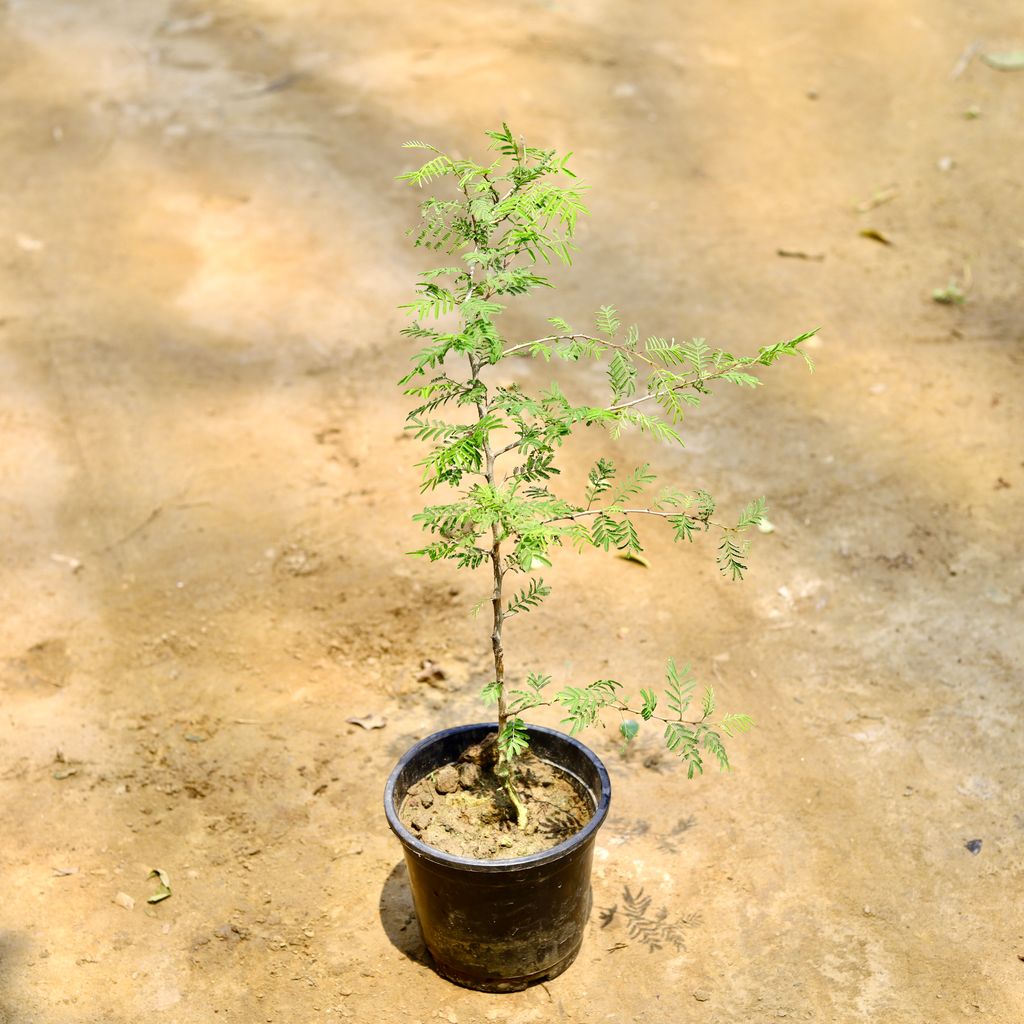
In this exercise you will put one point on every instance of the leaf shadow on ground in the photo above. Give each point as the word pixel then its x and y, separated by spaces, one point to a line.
pixel 654 928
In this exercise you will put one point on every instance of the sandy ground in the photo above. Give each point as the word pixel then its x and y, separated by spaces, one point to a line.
pixel 205 500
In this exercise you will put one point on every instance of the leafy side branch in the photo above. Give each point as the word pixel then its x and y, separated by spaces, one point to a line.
pixel 496 445
pixel 690 738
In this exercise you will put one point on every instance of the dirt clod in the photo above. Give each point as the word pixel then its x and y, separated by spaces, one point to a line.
pixel 447 780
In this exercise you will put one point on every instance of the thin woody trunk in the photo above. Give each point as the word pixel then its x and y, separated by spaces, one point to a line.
pixel 499 616
pixel 504 766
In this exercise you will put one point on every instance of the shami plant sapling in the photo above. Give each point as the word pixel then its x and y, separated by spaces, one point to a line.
pixel 505 219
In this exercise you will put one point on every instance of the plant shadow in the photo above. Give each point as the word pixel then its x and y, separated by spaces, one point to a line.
pixel 398 916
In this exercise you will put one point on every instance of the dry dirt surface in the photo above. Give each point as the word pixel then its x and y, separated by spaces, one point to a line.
pixel 205 499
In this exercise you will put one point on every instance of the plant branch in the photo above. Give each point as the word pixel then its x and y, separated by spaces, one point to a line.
pixel 696 382
pixel 626 710
pixel 522 346
pixel 634 511
pixel 508 448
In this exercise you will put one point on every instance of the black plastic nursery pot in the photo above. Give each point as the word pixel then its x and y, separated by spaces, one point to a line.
pixel 501 925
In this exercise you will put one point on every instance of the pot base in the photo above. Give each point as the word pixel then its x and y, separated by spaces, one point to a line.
pixel 479 984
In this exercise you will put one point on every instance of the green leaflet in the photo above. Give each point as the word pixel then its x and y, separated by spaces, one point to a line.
pixel 528 599
pixel 621 376
pixel 529 697
pixel 491 692
pixel 708 703
pixel 733 724
pixel 583 705
pixel 679 688
pixel 668 353
pixel 696 353
pixel 669 390
pixel 640 478
pixel 753 514
pixel 599 479
pixel 607 321
pixel 713 745
pixel 434 168
pixel 682 741
pixel 650 704
pixel 684 527
pixel 513 739
pixel 770 353
pixel 731 557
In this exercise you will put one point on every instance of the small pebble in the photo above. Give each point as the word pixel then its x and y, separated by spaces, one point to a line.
pixel 973 845
pixel 701 996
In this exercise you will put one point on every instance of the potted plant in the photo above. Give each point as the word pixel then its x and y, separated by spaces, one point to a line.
pixel 498 820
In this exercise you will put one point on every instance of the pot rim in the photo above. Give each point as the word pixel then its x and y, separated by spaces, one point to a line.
pixel 567 846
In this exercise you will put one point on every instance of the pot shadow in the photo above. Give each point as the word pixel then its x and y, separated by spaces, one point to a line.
pixel 398 916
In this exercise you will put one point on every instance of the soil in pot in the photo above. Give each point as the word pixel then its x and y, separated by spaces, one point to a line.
pixel 464 810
